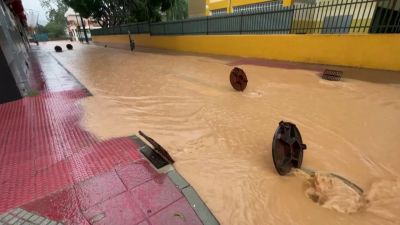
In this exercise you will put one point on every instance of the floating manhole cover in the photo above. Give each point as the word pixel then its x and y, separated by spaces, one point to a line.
pixel 333 75
pixel 287 148
pixel 238 79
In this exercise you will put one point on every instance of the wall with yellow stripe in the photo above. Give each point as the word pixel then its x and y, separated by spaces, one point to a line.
pixel 377 51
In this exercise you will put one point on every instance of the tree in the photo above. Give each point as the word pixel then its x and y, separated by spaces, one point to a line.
pixel 178 10
pixel 55 10
pixel 40 28
pixel 116 12
pixel 54 30
pixel 55 14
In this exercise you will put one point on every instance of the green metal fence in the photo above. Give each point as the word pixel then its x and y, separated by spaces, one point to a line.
pixel 305 16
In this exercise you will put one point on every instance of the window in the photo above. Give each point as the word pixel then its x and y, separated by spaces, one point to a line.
pixel 257 6
pixel 218 12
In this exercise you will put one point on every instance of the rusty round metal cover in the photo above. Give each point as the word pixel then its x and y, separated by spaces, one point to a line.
pixel 238 79
pixel 287 148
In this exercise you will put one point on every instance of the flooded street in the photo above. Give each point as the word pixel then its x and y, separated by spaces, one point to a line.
pixel 221 139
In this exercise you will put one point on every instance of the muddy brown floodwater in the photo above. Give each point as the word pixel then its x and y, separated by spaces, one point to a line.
pixel 221 139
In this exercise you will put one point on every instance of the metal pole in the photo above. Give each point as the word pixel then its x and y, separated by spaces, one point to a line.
pixel 37 29
pixel 390 17
pixel 84 31
pixel 78 27
pixel 207 25
pixel 182 25
pixel 241 22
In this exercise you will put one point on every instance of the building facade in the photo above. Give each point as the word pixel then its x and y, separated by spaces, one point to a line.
pixel 74 25
pixel 217 7
pixel 198 8
pixel 14 48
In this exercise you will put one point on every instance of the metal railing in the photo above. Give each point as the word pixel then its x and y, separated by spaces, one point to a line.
pixel 323 16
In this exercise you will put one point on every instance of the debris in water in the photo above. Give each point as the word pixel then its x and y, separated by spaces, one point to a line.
pixel 287 148
pixel 335 192
pixel 180 216
pixel 332 75
pixel 238 79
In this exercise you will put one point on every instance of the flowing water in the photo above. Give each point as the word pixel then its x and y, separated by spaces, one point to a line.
pixel 221 139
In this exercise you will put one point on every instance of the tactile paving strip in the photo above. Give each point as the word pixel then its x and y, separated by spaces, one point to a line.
pixel 43 148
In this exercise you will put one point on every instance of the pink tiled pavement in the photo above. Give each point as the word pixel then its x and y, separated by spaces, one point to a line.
pixel 50 165
pixel 150 202
pixel 120 210
pixel 178 213
pixel 136 173
pixel 99 189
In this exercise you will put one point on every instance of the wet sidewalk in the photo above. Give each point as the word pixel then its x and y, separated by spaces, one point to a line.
pixel 54 172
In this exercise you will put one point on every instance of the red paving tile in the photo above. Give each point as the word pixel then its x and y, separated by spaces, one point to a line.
pixel 156 194
pixel 178 213
pixel 120 210
pixel 136 173
pixel 51 150
pixel 98 189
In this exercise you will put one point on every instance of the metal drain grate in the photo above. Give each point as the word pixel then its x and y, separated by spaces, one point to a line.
pixel 157 155
pixel 155 159
pixel 332 75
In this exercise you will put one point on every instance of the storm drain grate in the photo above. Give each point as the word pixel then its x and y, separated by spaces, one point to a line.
pixel 332 75
pixel 153 157
pixel 157 155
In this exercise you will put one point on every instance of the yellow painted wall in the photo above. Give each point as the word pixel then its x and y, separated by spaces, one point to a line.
pixel 377 51
pixel 218 5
